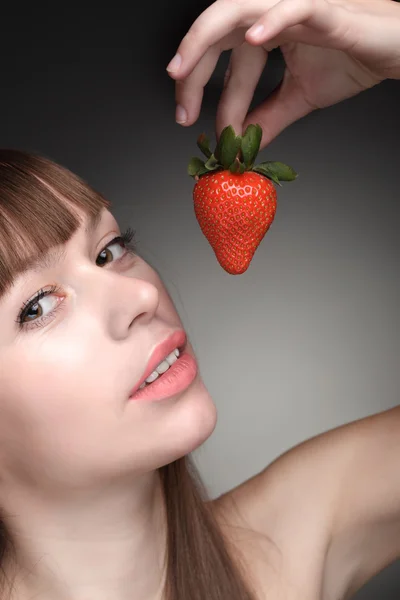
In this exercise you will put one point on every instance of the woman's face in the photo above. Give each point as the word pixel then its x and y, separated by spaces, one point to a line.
pixel 67 370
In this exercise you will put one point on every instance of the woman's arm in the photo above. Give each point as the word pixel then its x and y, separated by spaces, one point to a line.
pixel 331 505
pixel 365 533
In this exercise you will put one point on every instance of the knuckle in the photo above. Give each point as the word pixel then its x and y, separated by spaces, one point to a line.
pixel 192 35
pixel 312 6
pixel 197 32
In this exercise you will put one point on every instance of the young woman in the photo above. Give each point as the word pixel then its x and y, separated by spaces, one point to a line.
pixel 98 497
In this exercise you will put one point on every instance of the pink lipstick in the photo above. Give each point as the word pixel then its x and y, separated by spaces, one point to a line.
pixel 173 381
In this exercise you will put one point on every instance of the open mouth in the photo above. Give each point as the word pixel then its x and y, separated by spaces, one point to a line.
pixel 155 376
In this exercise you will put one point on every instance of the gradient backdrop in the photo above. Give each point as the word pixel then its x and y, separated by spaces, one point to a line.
pixel 308 338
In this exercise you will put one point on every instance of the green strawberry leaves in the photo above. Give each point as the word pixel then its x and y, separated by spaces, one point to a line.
pixel 204 145
pixel 251 144
pixel 237 154
pixel 232 148
pixel 212 163
pixel 276 171
pixel 228 147
pixel 196 167
pixel 237 166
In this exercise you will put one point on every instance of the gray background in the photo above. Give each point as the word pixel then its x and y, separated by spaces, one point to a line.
pixel 308 338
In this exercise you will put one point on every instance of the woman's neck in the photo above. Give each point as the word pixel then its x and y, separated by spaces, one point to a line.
pixel 110 546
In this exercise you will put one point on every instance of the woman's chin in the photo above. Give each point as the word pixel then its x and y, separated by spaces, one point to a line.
pixel 167 430
pixel 190 423
pixel 197 418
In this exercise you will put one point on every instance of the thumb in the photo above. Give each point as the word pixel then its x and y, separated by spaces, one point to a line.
pixel 285 105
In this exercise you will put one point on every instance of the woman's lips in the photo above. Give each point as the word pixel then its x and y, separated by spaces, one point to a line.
pixel 176 339
pixel 174 381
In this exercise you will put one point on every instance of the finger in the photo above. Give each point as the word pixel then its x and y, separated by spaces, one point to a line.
pixel 219 20
pixel 283 107
pixel 298 33
pixel 189 93
pixel 246 66
pixel 329 20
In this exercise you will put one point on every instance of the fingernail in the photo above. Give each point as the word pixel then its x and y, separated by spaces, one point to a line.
pixel 180 115
pixel 175 63
pixel 256 32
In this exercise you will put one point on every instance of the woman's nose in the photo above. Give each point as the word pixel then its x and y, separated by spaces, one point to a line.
pixel 124 301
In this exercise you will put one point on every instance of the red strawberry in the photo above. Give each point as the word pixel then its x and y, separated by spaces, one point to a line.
pixel 235 201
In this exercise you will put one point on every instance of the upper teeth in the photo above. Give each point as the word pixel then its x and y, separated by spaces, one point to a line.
pixel 162 367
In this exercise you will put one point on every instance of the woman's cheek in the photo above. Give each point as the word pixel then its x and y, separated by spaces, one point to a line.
pixel 59 366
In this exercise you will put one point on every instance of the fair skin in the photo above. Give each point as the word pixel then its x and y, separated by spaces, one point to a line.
pixel 330 507
pixel 333 49
pixel 77 458
pixel 78 483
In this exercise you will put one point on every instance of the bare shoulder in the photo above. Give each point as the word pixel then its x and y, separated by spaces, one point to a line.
pixel 280 521
pixel 307 514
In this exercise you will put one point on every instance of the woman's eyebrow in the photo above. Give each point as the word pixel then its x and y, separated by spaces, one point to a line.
pixel 93 222
pixel 54 256
pixel 51 258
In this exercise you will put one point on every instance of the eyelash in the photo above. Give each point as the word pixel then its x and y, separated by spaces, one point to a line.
pixel 127 238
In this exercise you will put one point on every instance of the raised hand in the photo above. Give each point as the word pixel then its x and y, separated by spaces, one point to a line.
pixel 333 49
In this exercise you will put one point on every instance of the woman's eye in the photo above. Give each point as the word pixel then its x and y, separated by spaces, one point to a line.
pixel 45 303
pixel 113 251
pixel 40 308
